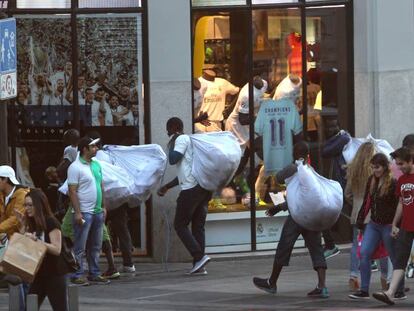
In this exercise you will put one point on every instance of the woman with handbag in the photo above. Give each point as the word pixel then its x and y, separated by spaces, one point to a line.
pixel 381 202
pixel 357 174
pixel 41 225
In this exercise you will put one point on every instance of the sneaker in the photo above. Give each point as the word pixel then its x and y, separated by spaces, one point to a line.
pixel 128 269
pixel 374 266
pixel 319 293
pixel 400 296
pixel 264 284
pixel 98 280
pixel 410 271
pixel 79 282
pixel 200 264
pixel 381 296
pixel 359 295
pixel 111 274
pixel 328 253
pixel 199 272
pixel 353 284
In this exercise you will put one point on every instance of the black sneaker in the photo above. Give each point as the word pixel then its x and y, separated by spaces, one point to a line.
pixel 319 293
pixel 359 295
pixel 264 285
pixel 400 296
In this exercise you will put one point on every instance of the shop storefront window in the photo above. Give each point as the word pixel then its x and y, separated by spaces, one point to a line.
pixel 202 3
pixel 318 109
pixel 220 73
pixel 43 4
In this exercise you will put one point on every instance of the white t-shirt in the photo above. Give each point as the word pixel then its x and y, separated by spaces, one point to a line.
pixel 214 100
pixel 95 114
pixel 183 145
pixel 81 174
pixel 70 153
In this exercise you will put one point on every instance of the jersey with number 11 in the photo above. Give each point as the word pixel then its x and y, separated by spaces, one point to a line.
pixel 277 121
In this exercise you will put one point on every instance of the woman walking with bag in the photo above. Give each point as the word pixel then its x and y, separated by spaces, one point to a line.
pixel 381 202
pixel 357 176
pixel 41 225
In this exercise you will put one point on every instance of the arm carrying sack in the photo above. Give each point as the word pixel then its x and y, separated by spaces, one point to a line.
pixel 216 157
pixel 314 201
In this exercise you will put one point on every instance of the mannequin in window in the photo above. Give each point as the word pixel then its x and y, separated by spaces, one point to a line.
pixel 278 122
pixel 198 91
pixel 294 53
pixel 214 100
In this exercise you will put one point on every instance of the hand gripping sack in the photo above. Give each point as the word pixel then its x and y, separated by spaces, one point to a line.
pixel 314 201
pixel 216 157
pixel 145 164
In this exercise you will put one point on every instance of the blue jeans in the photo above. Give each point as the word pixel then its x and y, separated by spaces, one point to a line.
pixel 88 235
pixel 354 265
pixel 373 234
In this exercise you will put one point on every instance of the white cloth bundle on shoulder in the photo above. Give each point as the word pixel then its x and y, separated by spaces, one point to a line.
pixel 130 173
pixel 314 201
pixel 216 157
pixel 350 149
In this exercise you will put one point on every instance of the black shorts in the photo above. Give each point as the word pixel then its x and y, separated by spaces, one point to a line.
pixel 290 233
pixel 403 249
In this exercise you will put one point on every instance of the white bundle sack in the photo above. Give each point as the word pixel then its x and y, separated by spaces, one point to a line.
pixel 314 201
pixel 381 145
pixel 145 164
pixel 216 157
pixel 117 183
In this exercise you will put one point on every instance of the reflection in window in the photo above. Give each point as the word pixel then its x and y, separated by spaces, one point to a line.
pixel 109 3
pixel 272 1
pixel 109 84
pixel 42 4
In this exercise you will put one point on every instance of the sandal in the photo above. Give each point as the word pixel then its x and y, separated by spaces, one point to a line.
pixel 381 296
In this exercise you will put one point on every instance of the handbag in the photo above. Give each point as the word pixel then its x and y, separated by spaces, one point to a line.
pixel 380 251
pixel 68 256
pixel 244 118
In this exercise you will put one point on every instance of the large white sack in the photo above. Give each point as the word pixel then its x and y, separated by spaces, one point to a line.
pixel 117 183
pixel 145 164
pixel 216 157
pixel 381 145
pixel 314 201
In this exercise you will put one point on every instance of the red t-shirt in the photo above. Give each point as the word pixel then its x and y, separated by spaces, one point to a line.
pixel 405 191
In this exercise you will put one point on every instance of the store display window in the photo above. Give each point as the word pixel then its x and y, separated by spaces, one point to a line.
pixel 95 83
pixel 304 69
pixel 206 3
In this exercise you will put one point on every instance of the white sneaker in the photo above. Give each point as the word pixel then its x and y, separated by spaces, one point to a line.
pixel 126 269
pixel 200 264
pixel 201 271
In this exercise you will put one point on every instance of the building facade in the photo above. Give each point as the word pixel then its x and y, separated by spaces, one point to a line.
pixel 353 57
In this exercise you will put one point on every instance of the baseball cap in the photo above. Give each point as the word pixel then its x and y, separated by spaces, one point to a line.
pixel 7 171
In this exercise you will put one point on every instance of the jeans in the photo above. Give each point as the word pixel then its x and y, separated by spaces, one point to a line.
pixel 192 207
pixel 354 265
pixel 119 224
pixel 373 234
pixel 88 235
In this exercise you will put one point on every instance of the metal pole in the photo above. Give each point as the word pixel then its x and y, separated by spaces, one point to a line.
pixel 4 143
pixel 73 298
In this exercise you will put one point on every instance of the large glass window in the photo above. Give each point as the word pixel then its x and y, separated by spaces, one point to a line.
pixel 217 2
pixel 283 55
pixel 108 80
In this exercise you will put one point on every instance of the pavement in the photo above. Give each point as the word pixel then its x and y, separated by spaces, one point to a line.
pixel 228 286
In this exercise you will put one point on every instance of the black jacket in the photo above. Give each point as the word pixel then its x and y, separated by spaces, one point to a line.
pixel 382 207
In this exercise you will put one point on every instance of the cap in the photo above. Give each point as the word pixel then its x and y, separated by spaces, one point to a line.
pixel 7 171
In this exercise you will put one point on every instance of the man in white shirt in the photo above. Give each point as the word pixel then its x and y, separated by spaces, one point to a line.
pixel 192 201
pixel 101 112
pixel 59 97
pixel 87 200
